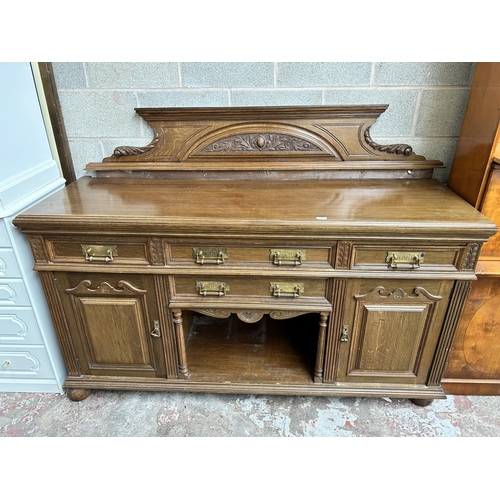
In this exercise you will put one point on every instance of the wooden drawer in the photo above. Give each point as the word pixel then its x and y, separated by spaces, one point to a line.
pixel 13 292
pixel 9 268
pixel 25 362
pixel 95 251
pixel 231 286
pixel 268 256
pixel 19 326
pixel 404 258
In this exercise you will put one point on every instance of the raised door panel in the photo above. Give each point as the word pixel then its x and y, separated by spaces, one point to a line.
pixel 391 331
pixel 114 324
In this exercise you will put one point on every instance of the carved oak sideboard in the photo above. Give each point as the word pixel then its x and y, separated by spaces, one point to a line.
pixel 258 250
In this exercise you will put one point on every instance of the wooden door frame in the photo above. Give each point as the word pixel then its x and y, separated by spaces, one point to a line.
pixel 56 120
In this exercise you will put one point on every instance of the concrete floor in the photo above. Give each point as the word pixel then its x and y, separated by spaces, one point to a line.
pixel 145 414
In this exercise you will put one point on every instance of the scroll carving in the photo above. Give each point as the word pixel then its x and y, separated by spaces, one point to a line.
pixel 400 294
pixel 214 313
pixel 249 316
pixel 105 289
pixel 260 142
pixel 132 150
pixel 286 314
pixel 471 257
pixel 404 149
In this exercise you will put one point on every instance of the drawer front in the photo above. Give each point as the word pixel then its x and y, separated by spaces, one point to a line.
pixel 13 293
pixel 24 362
pixel 267 256
pixel 97 251
pixel 230 286
pixel 4 237
pixel 404 258
pixel 19 326
pixel 9 267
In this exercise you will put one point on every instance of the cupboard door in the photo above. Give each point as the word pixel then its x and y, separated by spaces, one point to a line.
pixel 391 329
pixel 114 324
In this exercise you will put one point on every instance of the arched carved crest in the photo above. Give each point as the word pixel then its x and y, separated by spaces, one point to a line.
pixel 265 139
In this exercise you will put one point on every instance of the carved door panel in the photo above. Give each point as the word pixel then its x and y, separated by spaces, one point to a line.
pixel 391 329
pixel 114 323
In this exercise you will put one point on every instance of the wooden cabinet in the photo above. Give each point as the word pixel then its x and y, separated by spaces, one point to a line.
pixel 258 250
pixel 474 363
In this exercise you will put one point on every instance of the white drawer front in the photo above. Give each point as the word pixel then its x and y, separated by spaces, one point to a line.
pixel 9 267
pixel 24 362
pixel 4 237
pixel 19 326
pixel 13 293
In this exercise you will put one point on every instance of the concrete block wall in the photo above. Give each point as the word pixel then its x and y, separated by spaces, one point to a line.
pixel 427 101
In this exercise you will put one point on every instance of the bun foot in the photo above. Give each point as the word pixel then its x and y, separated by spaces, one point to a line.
pixel 78 394
pixel 422 402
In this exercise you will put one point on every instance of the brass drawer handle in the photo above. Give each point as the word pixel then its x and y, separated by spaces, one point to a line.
pixel 212 288
pixel 99 253
pixel 210 255
pixel 287 257
pixel 291 290
pixel 6 364
pixel 405 260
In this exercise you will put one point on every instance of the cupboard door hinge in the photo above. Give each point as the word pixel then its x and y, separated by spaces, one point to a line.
pixel 345 334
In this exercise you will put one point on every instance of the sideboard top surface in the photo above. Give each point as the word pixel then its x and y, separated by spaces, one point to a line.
pixel 313 206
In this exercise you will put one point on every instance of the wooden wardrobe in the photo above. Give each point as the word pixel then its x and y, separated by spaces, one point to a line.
pixel 474 363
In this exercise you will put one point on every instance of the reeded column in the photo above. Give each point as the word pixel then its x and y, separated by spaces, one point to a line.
pixel 320 356
pixel 181 345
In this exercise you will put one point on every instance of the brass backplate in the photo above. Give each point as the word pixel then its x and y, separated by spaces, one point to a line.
pixel 99 251
pixel 287 254
pixel 210 253
pixel 212 286
pixel 286 287
pixel 414 258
